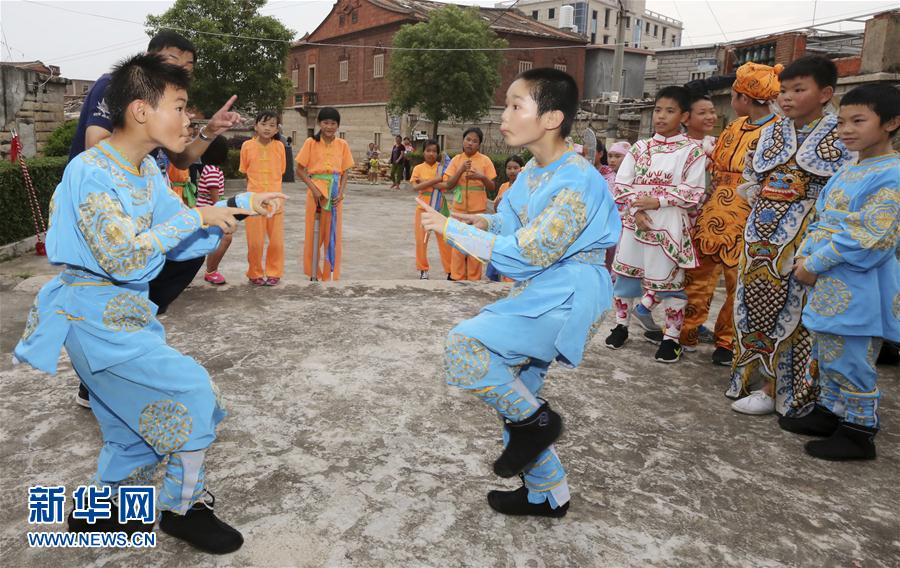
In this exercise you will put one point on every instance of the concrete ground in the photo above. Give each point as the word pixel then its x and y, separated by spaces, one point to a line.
pixel 344 447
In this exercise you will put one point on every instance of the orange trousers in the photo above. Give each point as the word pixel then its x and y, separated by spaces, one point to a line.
pixel 258 228
pixel 464 267
pixel 422 249
pixel 324 269
pixel 699 285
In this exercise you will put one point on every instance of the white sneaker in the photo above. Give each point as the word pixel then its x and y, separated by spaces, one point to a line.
pixel 757 403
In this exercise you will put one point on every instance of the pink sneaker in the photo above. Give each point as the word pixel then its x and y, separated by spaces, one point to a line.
pixel 272 281
pixel 258 281
pixel 214 278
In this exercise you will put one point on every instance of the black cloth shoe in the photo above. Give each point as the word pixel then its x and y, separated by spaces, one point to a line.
pixel 849 442
pixel 617 337
pixel 889 354
pixel 655 337
pixel 111 524
pixel 669 351
pixel 818 422
pixel 200 528
pixel 527 439
pixel 722 356
pixel 83 398
pixel 516 503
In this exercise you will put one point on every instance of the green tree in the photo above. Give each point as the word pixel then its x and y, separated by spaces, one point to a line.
pixel 446 84
pixel 253 69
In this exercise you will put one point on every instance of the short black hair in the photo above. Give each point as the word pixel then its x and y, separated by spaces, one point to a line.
pixel 822 70
pixel 884 100
pixel 553 89
pixel 168 38
pixel 290 140
pixel 266 115
pixel 515 158
pixel 216 153
pixel 431 142
pixel 697 96
pixel 142 77
pixel 477 131
pixel 678 94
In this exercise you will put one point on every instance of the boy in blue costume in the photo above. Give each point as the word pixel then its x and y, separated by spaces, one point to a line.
pixel 113 224
pixel 849 258
pixel 550 235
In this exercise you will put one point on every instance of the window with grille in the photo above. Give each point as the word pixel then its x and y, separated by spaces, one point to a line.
pixel 656 30
pixel 353 17
pixel 552 13
pixel 377 140
pixel 524 66
pixel 344 70
pixel 535 14
pixel 605 39
pixel 378 65
pixel 559 66
pixel 295 77
pixel 606 18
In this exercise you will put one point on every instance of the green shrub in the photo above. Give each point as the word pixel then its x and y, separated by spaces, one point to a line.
pixel 17 222
pixel 61 139
pixel 232 167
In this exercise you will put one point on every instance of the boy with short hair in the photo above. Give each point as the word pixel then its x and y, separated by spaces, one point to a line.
pixel 848 257
pixel 658 186
pixel 263 162
pixel 549 234
pixel 113 223
pixel 792 161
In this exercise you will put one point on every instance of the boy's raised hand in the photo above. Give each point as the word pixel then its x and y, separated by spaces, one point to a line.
pixel 476 221
pixel 432 219
pixel 268 203
pixel 222 217
pixel 223 119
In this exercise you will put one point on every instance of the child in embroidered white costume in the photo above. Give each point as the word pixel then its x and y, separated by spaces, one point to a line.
pixel 549 235
pixel 849 258
pixel 659 185
pixel 792 161
pixel 113 223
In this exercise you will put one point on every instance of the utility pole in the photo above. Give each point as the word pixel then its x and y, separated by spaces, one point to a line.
pixel 612 125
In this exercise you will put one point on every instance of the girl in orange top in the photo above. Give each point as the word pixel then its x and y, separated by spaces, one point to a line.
pixel 467 180
pixel 322 165
pixel 425 179
pixel 263 160
pixel 514 165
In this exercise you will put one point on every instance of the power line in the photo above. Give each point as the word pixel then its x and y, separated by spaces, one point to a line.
pixel 711 11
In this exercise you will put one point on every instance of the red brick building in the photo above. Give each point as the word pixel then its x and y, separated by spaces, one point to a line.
pixel 354 79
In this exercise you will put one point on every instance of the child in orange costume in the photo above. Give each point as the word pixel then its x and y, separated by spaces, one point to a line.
pixel 322 165
pixel 470 176
pixel 262 160
pixel 425 178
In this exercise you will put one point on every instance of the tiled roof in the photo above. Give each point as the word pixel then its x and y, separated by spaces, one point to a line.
pixel 508 21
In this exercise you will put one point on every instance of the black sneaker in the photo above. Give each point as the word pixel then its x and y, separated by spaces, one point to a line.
pixel 201 528
pixel 669 351
pixel 617 337
pixel 655 337
pixel 849 442
pixel 722 356
pixel 818 422
pixel 516 503
pixel 83 398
